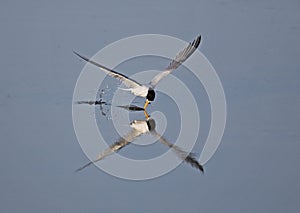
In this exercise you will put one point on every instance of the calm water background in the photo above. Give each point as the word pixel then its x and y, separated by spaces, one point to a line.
pixel 254 47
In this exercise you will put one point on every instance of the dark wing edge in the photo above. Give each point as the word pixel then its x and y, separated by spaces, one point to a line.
pixel 113 148
pixel 177 61
pixel 184 54
pixel 126 80
pixel 122 142
pixel 187 157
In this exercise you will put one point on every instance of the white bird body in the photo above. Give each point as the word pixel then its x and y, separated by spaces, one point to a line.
pixel 140 126
pixel 141 91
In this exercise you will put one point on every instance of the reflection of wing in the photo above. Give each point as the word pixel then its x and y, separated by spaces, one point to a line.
pixel 177 61
pixel 124 79
pixel 100 102
pixel 189 158
pixel 131 136
pixel 132 107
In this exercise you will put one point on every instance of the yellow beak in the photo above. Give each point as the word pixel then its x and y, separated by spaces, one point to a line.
pixel 146 104
pixel 146 115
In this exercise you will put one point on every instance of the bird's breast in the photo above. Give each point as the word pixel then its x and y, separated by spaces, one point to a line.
pixel 141 91
pixel 140 126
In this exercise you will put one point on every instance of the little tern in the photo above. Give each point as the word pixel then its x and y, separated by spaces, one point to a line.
pixel 147 91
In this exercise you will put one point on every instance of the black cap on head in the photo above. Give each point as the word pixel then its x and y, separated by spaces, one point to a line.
pixel 151 94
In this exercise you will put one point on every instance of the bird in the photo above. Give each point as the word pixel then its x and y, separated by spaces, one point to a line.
pixel 138 128
pixel 147 90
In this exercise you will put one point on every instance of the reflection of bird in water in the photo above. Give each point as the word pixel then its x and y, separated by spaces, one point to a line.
pixel 140 127
pixel 147 91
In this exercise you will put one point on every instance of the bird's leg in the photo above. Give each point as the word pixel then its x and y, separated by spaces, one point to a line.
pixel 146 115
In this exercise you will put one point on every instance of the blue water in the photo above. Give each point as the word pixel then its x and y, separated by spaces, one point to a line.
pixel 254 47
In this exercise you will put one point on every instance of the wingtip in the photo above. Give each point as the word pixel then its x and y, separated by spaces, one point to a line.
pixel 81 56
pixel 201 168
pixel 78 170
pixel 76 53
pixel 197 41
pixel 83 167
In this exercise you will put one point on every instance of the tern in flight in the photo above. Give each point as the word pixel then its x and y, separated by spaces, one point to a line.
pixel 140 127
pixel 147 91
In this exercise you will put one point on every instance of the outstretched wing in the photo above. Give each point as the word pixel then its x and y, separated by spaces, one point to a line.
pixel 177 61
pixel 131 136
pixel 187 157
pixel 124 79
